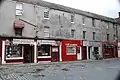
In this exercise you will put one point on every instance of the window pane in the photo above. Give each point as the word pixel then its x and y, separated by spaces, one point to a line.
pixel 19 12
pixel 46 32
pixel 84 34
pixel 72 33
pixel 46 14
pixel 13 51
pixel 19 6
pixel 44 50
pixel 72 17
pixel 71 50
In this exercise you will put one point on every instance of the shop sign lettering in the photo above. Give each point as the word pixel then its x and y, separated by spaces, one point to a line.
pixel 68 44
pixel 22 41
pixel 46 42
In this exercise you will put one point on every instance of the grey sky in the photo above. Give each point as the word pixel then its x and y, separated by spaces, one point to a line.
pixel 108 8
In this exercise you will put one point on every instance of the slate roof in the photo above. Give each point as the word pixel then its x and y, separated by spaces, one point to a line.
pixel 67 9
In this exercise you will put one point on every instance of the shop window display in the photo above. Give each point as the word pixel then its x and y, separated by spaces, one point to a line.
pixel 44 50
pixel 71 50
pixel 13 51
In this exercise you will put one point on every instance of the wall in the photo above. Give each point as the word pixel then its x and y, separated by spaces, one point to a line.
pixel 0 49
pixel 35 15
pixel 111 30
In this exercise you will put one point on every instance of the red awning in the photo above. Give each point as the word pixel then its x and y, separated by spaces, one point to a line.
pixel 19 25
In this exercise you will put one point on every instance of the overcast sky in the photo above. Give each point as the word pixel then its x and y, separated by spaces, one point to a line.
pixel 108 8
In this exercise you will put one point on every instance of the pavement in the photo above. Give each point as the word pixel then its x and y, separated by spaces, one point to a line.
pixel 76 70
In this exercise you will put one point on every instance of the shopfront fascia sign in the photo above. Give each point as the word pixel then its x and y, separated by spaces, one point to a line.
pixel 51 42
pixel 68 44
pixel 23 41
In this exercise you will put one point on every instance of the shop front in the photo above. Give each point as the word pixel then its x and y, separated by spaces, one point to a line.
pixel 71 50
pixel 47 51
pixel 118 49
pixel 18 51
pixel 89 47
pixel 110 49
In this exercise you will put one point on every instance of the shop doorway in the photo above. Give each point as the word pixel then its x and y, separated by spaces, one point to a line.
pixel 84 52
pixel 55 54
pixel 96 50
pixel 28 54
pixel 89 52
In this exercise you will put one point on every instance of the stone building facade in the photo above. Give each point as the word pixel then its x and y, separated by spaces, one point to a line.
pixel 37 26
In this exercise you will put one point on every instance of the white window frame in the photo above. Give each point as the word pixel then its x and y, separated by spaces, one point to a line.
pixel 73 33
pixel 46 32
pixel 94 34
pixel 19 9
pixel 46 14
pixel 72 18
pixel 84 34
pixel 70 53
pixel 93 22
pixel 15 57
pixel 83 20
pixel 107 27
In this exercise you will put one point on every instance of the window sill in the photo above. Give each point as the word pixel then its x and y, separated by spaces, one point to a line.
pixel 46 18
pixel 71 53
pixel 44 57
pixel 14 58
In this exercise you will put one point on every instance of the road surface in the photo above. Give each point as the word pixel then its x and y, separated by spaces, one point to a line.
pixel 88 70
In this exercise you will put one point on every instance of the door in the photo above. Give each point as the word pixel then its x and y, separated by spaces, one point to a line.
pixel 55 54
pixel 84 53
pixel 79 53
pixel 118 51
pixel 28 54
pixel 89 48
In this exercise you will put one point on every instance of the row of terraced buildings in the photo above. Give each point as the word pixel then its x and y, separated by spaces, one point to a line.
pixel 33 31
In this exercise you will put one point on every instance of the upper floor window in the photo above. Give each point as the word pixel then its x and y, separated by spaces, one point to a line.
pixel 46 31
pixel 93 22
pixel 72 32
pixel 107 25
pixel 46 14
pixel 19 9
pixel 18 32
pixel 107 37
pixel 83 20
pixel 93 35
pixel 84 34
pixel 72 18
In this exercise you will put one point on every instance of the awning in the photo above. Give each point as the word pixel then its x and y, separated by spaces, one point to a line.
pixel 19 25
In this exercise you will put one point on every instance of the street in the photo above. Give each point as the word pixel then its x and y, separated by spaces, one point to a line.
pixel 79 70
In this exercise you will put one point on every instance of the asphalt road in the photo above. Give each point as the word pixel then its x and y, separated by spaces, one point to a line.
pixel 89 70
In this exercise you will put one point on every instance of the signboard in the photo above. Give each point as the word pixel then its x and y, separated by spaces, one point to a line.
pixel 52 42
pixel 23 41
pixel 54 49
pixel 108 46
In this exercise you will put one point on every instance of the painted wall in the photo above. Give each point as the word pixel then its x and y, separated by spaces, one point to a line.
pixel 111 30
pixel 35 15
pixel 65 56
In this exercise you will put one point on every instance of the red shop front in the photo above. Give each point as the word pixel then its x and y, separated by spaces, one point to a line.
pixel 110 50
pixel 71 50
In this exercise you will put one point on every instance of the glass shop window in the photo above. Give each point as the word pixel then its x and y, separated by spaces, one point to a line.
pixel 13 51
pixel 71 50
pixel 44 50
